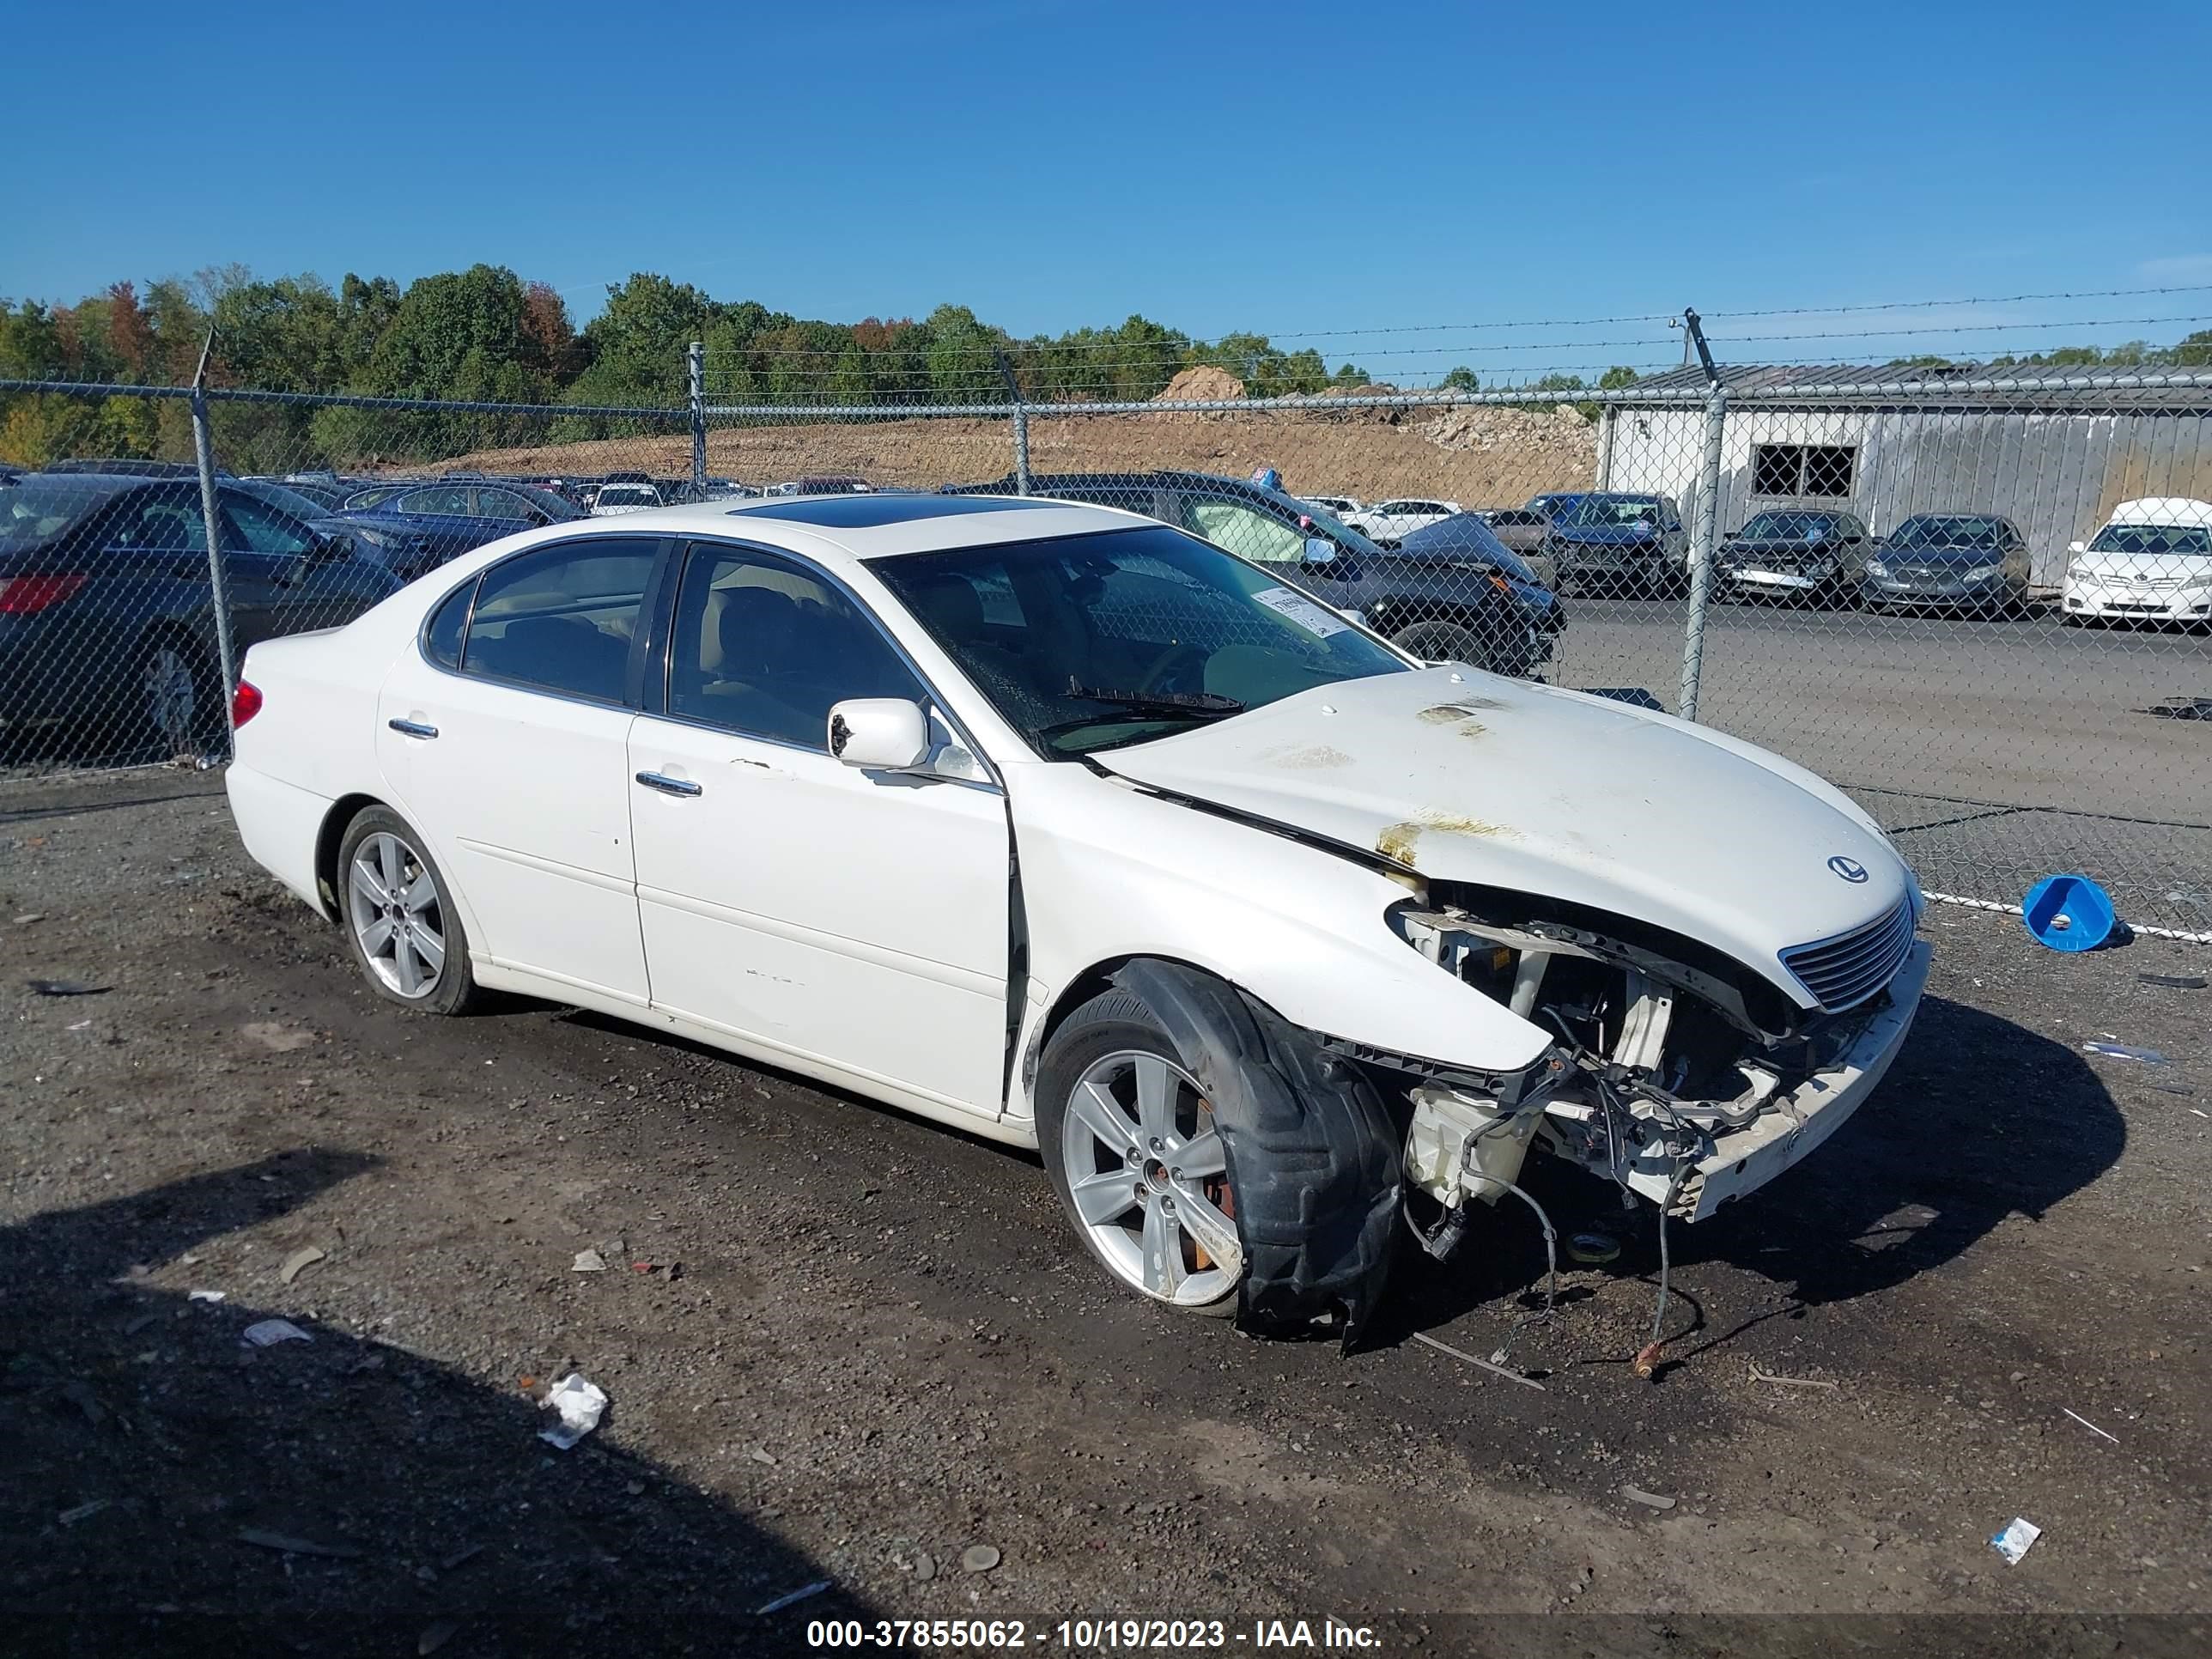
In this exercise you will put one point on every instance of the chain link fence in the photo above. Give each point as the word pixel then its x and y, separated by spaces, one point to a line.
pixel 1981 603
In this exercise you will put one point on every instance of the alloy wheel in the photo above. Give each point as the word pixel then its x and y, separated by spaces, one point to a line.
pixel 398 915
pixel 1149 1178
pixel 170 698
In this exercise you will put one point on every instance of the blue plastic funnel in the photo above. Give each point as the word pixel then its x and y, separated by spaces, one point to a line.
pixel 2067 912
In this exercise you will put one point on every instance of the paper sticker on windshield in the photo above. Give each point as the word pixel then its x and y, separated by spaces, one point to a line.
pixel 1297 607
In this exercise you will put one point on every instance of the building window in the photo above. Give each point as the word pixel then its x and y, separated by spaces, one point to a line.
pixel 1795 469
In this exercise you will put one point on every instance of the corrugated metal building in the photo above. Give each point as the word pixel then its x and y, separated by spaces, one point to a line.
pixel 2054 462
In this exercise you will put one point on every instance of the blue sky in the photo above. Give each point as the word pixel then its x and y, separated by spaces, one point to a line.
pixel 1288 167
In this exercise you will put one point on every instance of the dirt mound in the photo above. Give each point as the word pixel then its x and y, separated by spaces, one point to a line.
pixel 1201 382
pixel 1561 441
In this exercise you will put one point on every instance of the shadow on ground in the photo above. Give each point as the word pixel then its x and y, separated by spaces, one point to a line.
pixel 143 1441
pixel 1978 1120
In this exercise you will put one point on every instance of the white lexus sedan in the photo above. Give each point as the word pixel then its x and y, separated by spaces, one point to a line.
pixel 1062 825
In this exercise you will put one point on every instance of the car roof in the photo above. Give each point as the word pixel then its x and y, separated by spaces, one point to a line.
pixel 836 529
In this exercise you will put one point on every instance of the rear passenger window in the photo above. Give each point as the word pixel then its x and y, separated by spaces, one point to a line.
pixel 561 618
pixel 443 638
pixel 763 648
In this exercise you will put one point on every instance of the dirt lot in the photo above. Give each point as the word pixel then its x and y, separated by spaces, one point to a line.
pixel 866 1344
pixel 1481 457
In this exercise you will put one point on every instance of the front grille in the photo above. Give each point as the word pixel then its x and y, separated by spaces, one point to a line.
pixel 1845 971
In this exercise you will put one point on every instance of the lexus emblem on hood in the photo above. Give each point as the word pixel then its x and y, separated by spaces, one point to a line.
pixel 1850 869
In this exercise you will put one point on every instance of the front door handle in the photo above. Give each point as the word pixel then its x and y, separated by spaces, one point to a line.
pixel 668 786
pixel 412 728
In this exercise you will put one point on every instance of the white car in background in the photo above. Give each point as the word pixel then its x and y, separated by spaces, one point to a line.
pixel 618 498
pixel 1342 507
pixel 1393 520
pixel 1066 827
pixel 2152 561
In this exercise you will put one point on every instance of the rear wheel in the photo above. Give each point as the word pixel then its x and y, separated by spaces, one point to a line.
pixel 174 697
pixel 399 920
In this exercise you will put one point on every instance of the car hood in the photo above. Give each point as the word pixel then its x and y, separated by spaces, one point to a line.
pixel 2144 566
pixel 1792 547
pixel 1965 558
pixel 1469 777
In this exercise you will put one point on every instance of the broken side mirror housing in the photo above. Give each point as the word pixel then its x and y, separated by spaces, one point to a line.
pixel 879 734
pixel 2077 547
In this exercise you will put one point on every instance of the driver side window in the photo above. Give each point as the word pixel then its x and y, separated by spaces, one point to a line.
pixel 1236 528
pixel 259 528
pixel 763 649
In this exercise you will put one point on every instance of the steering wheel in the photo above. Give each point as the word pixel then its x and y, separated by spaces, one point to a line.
pixel 1149 680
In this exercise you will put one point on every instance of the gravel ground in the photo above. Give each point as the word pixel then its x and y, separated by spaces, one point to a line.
pixel 843 1345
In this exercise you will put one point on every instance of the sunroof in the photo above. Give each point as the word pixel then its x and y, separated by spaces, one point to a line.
pixel 868 512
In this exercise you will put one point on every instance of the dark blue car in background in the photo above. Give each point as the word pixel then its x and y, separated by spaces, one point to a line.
pixel 412 528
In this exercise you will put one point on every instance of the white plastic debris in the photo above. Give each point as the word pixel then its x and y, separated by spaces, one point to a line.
pixel 205 1296
pixel 588 1261
pixel 580 1404
pixel 2014 1541
pixel 269 1332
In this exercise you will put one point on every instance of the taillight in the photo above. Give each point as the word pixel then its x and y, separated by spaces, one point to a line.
pixel 245 703
pixel 22 596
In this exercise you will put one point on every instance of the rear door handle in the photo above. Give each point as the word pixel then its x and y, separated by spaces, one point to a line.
pixel 668 786
pixel 413 728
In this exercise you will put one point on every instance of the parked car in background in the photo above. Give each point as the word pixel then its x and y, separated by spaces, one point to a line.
pixel 613 498
pixel 120 466
pixel 823 483
pixel 1616 544
pixel 417 527
pixel 106 605
pixel 1386 521
pixel 1305 945
pixel 1553 502
pixel 329 495
pixel 1971 561
pixel 1452 605
pixel 2151 562
pixel 1339 506
pixel 1523 530
pixel 1792 554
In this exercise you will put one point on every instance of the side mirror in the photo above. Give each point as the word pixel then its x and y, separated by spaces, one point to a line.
pixel 879 734
pixel 2077 547
pixel 1320 550
pixel 331 546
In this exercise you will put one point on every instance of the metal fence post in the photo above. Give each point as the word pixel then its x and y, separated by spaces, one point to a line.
pixel 696 358
pixel 204 452
pixel 1021 424
pixel 1703 530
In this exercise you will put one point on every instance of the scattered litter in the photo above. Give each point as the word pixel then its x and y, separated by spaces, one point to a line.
pixel 1593 1249
pixel 271 1331
pixel 925 1566
pixel 1651 1500
pixel 979 1558
pixel 460 1557
pixel 2121 1051
pixel 641 1267
pixel 1758 1376
pixel 289 1546
pixel 67 987
pixel 2177 1089
pixel 588 1261
pixel 1484 1365
pixel 580 1405
pixel 205 1296
pixel 790 1596
pixel 26 920
pixel 2087 1424
pixel 760 1454
pixel 80 1025
pixel 300 1261
pixel 2174 982
pixel 434 1636
pixel 132 1327
pixel 2014 1541
pixel 273 1037
pixel 84 1512
pixel 2181 708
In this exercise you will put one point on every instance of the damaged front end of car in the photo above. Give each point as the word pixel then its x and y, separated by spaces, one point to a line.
pixel 1685 1077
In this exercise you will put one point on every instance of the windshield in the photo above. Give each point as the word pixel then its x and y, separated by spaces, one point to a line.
pixel 1326 524
pixel 1987 534
pixel 373 495
pixel 1602 510
pixel 1092 642
pixel 285 499
pixel 1790 527
pixel 35 509
pixel 2152 538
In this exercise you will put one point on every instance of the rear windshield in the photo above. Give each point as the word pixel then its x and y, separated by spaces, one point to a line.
pixel 35 509
pixel 1600 510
